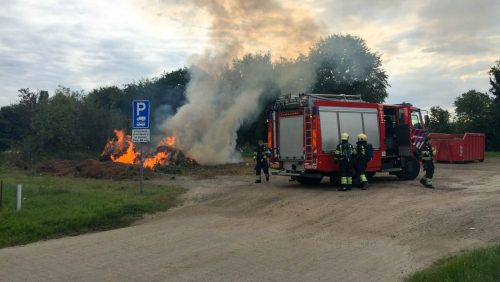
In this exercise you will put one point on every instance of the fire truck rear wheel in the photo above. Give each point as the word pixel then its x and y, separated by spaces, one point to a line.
pixel 309 180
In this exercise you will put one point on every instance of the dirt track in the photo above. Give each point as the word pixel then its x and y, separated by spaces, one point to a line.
pixel 232 230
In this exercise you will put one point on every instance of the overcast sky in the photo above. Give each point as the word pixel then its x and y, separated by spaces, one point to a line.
pixel 433 50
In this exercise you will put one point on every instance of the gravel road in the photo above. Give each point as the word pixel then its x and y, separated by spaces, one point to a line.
pixel 230 229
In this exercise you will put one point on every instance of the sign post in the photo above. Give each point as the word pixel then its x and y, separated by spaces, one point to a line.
pixel 140 131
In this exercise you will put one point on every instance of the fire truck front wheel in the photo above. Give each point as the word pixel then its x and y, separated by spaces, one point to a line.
pixel 410 170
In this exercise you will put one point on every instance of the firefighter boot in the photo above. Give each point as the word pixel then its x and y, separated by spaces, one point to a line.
pixel 349 183
pixel 363 181
pixel 423 181
pixel 428 183
pixel 258 179
pixel 343 184
pixel 267 177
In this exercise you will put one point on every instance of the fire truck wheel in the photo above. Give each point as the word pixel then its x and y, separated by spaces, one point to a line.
pixel 410 171
pixel 309 180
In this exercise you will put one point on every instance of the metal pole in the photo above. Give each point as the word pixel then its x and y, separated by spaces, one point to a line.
pixel 19 196
pixel 141 185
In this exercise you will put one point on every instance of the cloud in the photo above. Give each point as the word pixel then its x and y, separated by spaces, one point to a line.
pixel 80 45
pixel 434 46
pixel 433 50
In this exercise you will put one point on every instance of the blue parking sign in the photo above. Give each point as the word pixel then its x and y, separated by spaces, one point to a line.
pixel 140 114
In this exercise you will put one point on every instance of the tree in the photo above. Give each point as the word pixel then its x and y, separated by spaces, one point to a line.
pixel 472 108
pixel 251 72
pixel 474 114
pixel 440 120
pixel 495 110
pixel 495 81
pixel 345 65
pixel 54 125
pixel 28 97
pixel 109 98
pixel 14 126
pixel 43 97
pixel 15 119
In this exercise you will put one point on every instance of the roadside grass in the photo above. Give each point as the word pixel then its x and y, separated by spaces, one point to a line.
pixel 58 206
pixel 492 154
pixel 478 265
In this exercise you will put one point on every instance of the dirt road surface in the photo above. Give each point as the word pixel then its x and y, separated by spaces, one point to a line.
pixel 230 229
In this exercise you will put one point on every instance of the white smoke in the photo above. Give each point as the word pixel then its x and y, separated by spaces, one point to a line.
pixel 222 96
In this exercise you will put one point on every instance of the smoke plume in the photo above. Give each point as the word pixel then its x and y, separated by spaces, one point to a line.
pixel 225 93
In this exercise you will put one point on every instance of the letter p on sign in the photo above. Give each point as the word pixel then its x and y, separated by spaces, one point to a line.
pixel 141 106
pixel 140 113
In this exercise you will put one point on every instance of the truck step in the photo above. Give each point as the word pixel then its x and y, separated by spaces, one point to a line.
pixel 392 169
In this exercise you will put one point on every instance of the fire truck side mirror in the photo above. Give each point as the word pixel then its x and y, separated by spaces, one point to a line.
pixel 427 120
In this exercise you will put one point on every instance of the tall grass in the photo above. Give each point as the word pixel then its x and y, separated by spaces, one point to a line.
pixel 492 154
pixel 478 265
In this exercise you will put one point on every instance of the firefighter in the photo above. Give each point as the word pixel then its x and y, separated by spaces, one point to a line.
pixel 361 159
pixel 260 156
pixel 344 153
pixel 426 154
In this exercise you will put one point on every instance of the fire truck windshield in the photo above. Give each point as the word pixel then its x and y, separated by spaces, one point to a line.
pixel 416 120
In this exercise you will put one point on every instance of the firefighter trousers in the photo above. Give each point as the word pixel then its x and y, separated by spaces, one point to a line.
pixel 360 167
pixel 262 165
pixel 429 171
pixel 345 173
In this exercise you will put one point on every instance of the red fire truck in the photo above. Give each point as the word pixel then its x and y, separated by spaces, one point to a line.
pixel 304 130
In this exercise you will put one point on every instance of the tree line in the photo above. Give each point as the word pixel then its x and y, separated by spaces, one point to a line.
pixel 74 124
pixel 474 112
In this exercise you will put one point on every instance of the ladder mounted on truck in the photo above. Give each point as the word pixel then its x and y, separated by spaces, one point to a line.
pixel 308 147
pixel 290 101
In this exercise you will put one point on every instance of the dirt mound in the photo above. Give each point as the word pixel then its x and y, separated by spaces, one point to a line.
pixel 246 167
pixel 91 169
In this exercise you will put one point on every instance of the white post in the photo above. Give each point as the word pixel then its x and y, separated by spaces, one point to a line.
pixel 19 196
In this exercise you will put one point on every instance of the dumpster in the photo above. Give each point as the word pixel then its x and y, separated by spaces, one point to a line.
pixel 458 148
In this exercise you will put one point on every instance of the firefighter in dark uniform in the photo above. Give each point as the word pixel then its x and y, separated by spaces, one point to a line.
pixel 426 154
pixel 260 156
pixel 344 153
pixel 361 159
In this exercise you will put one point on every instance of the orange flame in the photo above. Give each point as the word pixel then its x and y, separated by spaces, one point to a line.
pixel 128 157
pixel 160 158
pixel 168 141
pixel 121 149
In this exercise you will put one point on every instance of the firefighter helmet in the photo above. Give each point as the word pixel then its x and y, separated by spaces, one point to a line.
pixel 344 136
pixel 362 137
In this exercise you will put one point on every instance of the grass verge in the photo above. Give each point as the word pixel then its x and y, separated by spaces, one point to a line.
pixel 492 154
pixel 58 206
pixel 478 265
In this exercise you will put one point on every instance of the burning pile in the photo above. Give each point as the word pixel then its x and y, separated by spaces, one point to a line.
pixel 122 150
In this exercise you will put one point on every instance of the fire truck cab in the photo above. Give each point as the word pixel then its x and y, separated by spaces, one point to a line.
pixel 304 130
